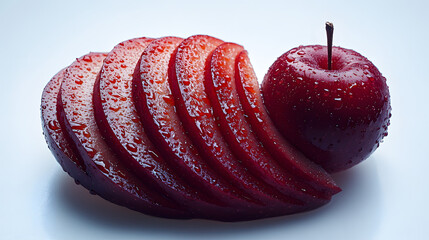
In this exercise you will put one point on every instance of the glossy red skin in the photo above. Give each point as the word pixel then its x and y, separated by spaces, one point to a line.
pixel 337 117
pixel 120 124
pixel 221 89
pixel 54 135
pixel 109 178
pixel 186 78
pixel 287 155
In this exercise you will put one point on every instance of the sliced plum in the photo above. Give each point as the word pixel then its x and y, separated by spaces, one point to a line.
pixel 54 135
pixel 289 157
pixel 156 108
pixel 109 178
pixel 120 124
pixel 221 89
pixel 186 77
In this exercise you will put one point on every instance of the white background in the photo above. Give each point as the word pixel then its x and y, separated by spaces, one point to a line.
pixel 385 197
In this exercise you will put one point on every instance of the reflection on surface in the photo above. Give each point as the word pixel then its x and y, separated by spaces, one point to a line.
pixel 355 213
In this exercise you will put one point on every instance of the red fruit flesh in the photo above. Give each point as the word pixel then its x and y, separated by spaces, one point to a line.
pixel 186 79
pixel 120 124
pixel 54 135
pixel 110 179
pixel 336 117
pixel 290 158
pixel 156 108
pixel 221 89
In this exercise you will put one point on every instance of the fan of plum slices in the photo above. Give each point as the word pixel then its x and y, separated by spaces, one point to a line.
pixel 109 178
pixel 177 128
pixel 118 121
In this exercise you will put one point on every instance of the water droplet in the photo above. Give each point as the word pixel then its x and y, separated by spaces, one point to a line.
pixel 86 134
pixel 182 149
pixel 169 100
pixel 290 58
pixel 209 133
pixel 91 151
pixel 87 58
pixel 115 109
pixel 54 125
pixel 131 147
pixel 137 140
pixel 78 126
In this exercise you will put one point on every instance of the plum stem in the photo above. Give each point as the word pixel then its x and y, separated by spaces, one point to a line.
pixel 329 34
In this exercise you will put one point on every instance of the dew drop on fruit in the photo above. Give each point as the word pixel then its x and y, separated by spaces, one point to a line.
pixel 131 147
pixel 137 140
pixel 338 103
pixel 54 125
pixel 78 126
pixel 209 133
pixel 91 151
pixel 87 58
pixel 115 109
pixel 169 100
pixel 86 134
pixel 290 58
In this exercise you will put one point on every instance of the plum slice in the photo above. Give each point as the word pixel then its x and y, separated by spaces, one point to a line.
pixel 54 136
pixel 156 108
pixel 109 178
pixel 290 158
pixel 221 89
pixel 186 77
pixel 120 124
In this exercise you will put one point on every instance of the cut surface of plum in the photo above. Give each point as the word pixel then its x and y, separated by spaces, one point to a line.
pixel 54 135
pixel 186 77
pixel 221 89
pixel 156 108
pixel 120 124
pixel 110 179
pixel 289 157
